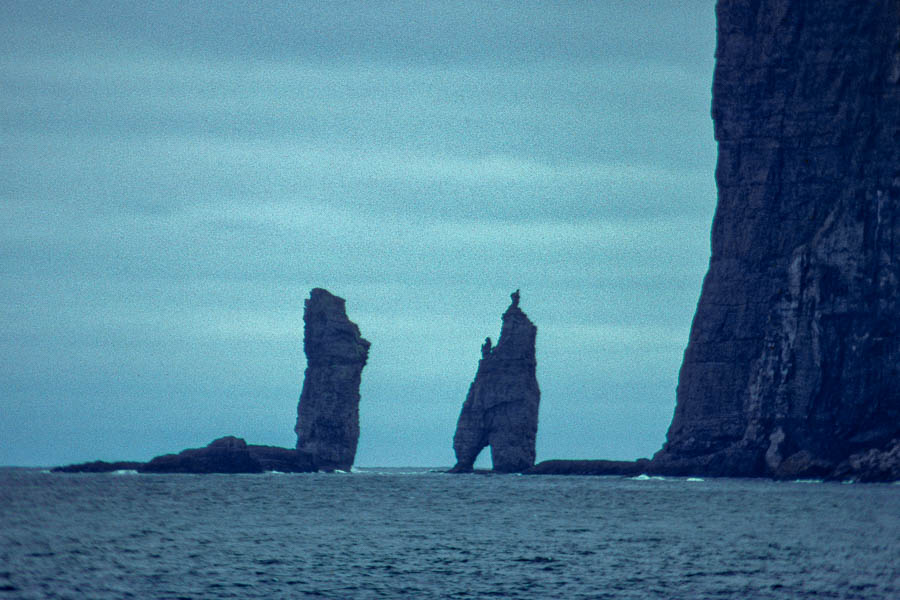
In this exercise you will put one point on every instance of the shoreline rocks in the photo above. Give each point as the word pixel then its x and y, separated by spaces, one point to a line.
pixel 224 455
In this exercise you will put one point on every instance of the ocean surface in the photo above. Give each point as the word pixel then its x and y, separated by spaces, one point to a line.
pixel 416 534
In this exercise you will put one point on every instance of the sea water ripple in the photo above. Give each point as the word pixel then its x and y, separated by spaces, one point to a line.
pixel 412 533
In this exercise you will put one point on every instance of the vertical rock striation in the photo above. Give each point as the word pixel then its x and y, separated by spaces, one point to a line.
pixel 328 412
pixel 501 408
pixel 793 363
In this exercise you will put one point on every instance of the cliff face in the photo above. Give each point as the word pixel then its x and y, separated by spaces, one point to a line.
pixel 501 408
pixel 328 411
pixel 793 363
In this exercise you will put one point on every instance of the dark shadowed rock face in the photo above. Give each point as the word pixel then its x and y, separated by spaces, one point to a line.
pixel 224 455
pixel 793 364
pixel 328 412
pixel 501 408
pixel 284 460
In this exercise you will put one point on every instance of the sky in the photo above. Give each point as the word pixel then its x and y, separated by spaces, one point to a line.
pixel 176 177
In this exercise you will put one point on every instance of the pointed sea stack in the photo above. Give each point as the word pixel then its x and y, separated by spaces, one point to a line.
pixel 501 408
pixel 328 412
pixel 793 364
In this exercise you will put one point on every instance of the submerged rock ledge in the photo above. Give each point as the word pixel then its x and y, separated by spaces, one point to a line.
pixel 873 466
pixel 590 467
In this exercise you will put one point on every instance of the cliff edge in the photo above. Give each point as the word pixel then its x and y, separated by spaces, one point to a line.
pixel 793 363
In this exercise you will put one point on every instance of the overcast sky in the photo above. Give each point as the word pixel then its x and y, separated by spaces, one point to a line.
pixel 175 178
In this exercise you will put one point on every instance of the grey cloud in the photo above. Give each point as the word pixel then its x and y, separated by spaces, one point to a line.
pixel 434 32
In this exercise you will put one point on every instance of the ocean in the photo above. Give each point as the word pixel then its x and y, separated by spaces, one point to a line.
pixel 394 533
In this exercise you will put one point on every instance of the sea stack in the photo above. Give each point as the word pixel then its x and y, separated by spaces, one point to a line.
pixel 793 363
pixel 501 408
pixel 328 412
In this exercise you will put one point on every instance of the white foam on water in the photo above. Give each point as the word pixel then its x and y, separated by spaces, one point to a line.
pixel 808 481
pixel 695 479
pixel 125 472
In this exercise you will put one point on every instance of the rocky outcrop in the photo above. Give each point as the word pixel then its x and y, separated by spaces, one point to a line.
pixel 99 466
pixel 872 465
pixel 501 408
pixel 328 412
pixel 590 467
pixel 224 455
pixel 283 460
pixel 793 363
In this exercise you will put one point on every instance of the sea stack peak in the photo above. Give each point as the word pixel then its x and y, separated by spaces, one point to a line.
pixel 501 408
pixel 328 412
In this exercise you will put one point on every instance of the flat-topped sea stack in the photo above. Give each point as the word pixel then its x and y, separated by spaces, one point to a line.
pixel 501 408
pixel 793 363
pixel 328 412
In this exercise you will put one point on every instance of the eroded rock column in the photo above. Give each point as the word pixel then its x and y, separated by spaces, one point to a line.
pixel 501 408
pixel 328 412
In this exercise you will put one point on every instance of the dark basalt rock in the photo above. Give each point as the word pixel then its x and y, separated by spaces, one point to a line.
pixel 501 408
pixel 871 466
pixel 99 466
pixel 589 467
pixel 224 455
pixel 328 412
pixel 793 363
pixel 284 460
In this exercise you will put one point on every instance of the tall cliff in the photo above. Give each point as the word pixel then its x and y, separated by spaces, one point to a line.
pixel 501 408
pixel 328 411
pixel 793 362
